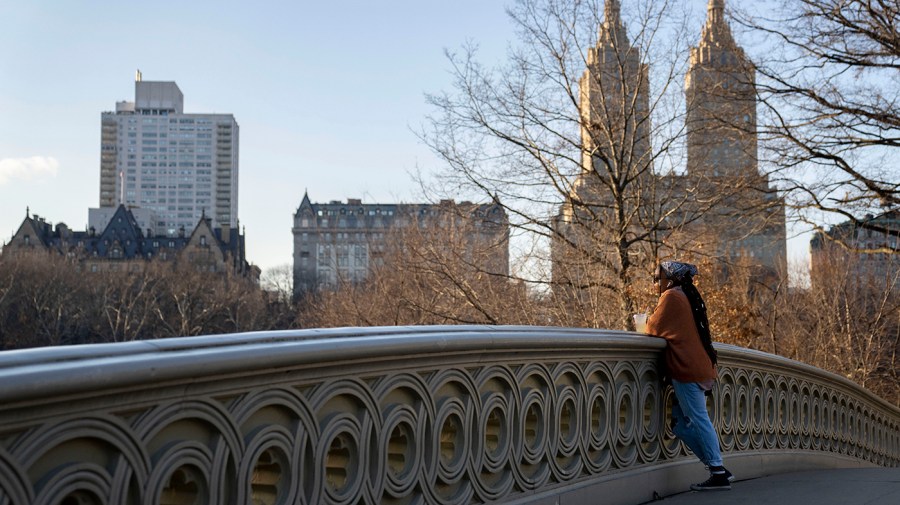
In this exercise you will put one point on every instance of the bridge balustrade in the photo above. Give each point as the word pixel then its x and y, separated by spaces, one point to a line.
pixel 448 415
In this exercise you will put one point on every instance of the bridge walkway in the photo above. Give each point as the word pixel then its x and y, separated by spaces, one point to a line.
pixel 857 486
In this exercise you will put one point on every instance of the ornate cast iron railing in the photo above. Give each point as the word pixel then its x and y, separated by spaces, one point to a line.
pixel 400 415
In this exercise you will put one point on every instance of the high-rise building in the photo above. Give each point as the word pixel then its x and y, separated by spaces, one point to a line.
pixel 720 92
pixel 614 102
pixel 177 165
pixel 722 207
pixel 748 222
pixel 339 242
pixel 614 106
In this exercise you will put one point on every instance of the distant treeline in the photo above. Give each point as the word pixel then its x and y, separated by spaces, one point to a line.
pixel 843 323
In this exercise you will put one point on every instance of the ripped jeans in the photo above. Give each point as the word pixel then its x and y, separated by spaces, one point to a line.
pixel 692 424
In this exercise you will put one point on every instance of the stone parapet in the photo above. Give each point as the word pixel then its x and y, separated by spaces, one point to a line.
pixel 457 414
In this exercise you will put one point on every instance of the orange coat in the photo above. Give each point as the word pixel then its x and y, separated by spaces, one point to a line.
pixel 673 320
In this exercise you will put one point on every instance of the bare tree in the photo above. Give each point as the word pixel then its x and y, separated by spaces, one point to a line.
pixel 279 281
pixel 582 139
pixel 124 305
pixel 8 281
pixel 197 303
pixel 278 310
pixel 848 321
pixel 445 269
pixel 48 299
pixel 42 303
pixel 745 308
pixel 831 87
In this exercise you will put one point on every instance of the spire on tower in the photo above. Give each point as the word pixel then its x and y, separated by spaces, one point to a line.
pixel 715 15
pixel 613 13
pixel 612 31
pixel 716 32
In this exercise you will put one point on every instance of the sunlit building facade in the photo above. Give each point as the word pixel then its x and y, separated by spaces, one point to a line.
pixel 339 242
pixel 721 207
pixel 748 225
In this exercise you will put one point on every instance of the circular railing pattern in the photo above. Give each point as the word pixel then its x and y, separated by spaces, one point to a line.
pixel 444 427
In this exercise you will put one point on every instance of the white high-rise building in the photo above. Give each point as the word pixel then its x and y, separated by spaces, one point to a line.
pixel 178 166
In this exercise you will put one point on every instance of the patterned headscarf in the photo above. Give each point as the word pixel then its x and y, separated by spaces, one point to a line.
pixel 678 271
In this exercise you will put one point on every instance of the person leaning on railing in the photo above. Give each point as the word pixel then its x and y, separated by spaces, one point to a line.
pixel 680 318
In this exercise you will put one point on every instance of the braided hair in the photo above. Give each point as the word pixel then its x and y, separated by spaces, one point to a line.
pixel 698 308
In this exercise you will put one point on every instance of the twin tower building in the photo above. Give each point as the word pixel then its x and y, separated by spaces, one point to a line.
pixel 720 208
pixel 175 169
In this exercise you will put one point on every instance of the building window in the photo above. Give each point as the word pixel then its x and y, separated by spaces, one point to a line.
pixel 360 256
pixel 203 240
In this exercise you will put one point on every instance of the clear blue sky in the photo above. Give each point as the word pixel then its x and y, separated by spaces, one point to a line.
pixel 326 94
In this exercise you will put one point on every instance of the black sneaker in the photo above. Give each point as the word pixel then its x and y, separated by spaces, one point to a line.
pixel 715 482
pixel 719 469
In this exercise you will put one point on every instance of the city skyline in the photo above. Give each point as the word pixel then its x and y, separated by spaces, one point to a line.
pixel 314 97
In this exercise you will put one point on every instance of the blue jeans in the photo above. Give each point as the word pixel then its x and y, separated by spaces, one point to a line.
pixel 692 424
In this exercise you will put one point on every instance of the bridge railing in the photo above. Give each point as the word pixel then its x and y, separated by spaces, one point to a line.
pixel 404 415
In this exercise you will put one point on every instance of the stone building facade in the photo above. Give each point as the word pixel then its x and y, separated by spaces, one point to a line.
pixel 745 225
pixel 871 248
pixel 339 242
pixel 123 246
pixel 748 223
pixel 614 103
pixel 611 113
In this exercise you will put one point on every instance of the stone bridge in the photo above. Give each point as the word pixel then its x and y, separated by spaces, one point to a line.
pixel 447 415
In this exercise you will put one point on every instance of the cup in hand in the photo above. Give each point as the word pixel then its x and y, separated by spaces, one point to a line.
pixel 640 323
